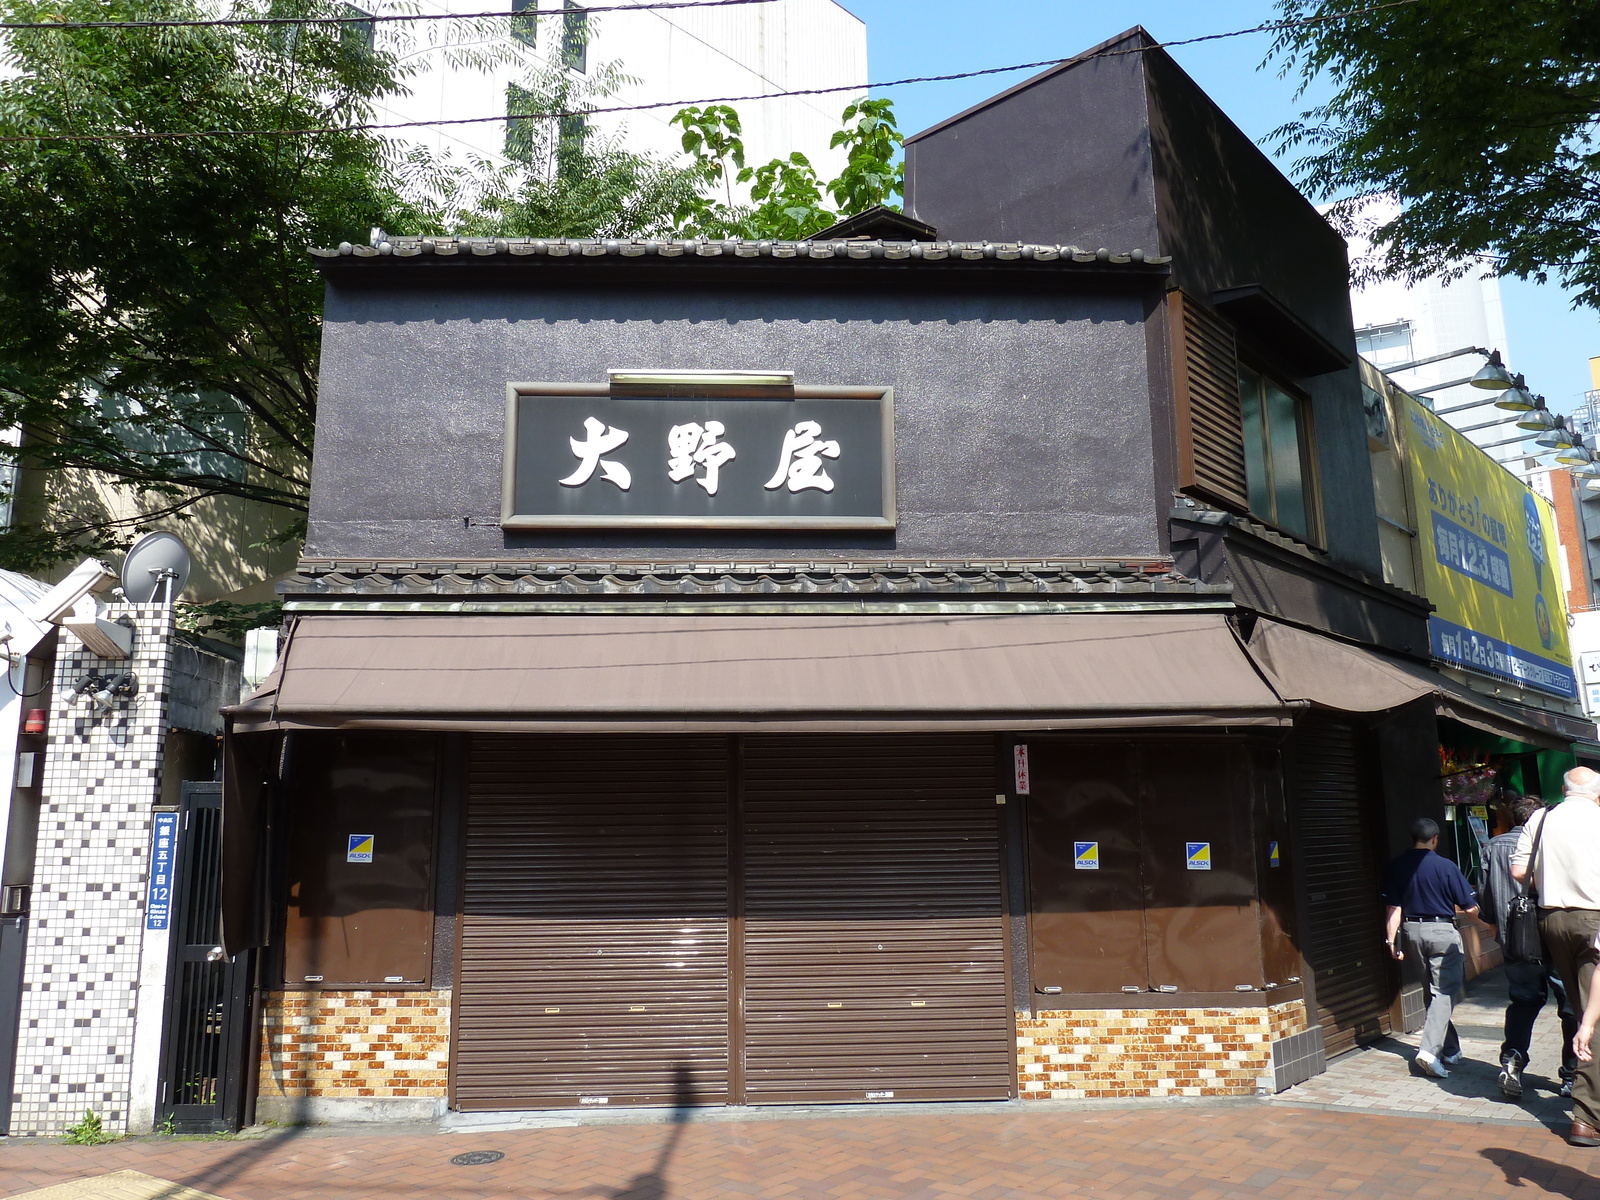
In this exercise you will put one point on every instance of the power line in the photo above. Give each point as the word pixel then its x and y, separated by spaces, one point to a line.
pixel 360 18
pixel 1269 27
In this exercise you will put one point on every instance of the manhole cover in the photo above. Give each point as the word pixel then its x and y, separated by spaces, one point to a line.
pixel 477 1158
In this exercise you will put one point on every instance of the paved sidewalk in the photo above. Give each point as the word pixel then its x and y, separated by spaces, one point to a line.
pixel 1155 1151
pixel 1379 1079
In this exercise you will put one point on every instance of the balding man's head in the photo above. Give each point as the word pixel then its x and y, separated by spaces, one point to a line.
pixel 1581 781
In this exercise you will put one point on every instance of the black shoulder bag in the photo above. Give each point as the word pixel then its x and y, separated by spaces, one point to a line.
pixel 1520 940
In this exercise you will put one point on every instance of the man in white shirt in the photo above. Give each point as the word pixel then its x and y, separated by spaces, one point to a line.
pixel 1566 875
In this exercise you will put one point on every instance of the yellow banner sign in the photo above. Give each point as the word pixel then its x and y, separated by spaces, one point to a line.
pixel 1489 560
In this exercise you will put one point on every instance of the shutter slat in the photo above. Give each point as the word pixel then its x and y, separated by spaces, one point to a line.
pixel 1210 421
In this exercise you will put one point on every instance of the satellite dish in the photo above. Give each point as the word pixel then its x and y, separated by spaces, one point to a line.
pixel 156 569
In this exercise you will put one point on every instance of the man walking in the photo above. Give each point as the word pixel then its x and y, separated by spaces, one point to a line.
pixel 1424 889
pixel 1565 873
pixel 1528 981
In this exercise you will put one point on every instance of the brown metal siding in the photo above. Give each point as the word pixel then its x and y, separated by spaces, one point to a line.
pixel 1342 923
pixel 1088 926
pixel 594 952
pixel 1202 929
pixel 874 942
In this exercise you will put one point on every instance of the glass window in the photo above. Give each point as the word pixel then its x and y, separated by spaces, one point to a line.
pixel 525 29
pixel 1277 455
pixel 575 37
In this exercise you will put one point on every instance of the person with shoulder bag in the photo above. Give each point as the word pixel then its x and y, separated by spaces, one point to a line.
pixel 1565 876
pixel 1513 911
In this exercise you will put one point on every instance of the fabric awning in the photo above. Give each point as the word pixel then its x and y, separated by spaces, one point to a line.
pixel 720 673
pixel 1309 668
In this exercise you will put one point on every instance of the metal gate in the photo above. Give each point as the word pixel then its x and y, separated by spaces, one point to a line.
pixel 874 950
pixel 203 1083
pixel 1343 918
pixel 660 919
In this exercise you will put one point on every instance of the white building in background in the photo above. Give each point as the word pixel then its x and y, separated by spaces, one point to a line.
pixel 1399 323
pixel 675 56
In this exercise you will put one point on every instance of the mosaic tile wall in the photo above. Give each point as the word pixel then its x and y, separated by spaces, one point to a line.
pixel 1152 1051
pixel 355 1044
pixel 101 776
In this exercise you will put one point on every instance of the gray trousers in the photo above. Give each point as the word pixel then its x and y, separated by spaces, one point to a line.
pixel 1438 943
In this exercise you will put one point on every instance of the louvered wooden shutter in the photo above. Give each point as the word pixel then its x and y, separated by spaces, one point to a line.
pixel 1209 423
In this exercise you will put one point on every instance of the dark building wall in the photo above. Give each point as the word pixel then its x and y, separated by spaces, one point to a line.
pixel 1022 416
pixel 1126 150
pixel 1061 158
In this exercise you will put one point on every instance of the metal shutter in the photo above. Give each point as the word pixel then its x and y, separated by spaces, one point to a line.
pixel 874 950
pixel 1209 417
pixel 594 948
pixel 1343 920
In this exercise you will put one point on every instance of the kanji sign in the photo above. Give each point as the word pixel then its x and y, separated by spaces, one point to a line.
pixel 163 856
pixel 580 457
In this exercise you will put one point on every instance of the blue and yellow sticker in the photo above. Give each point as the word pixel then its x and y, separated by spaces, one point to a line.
pixel 1086 856
pixel 360 850
pixel 1273 858
pixel 1199 855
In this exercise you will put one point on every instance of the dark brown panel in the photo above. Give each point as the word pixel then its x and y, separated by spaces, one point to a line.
pixel 594 955
pixel 1342 922
pixel 1201 928
pixel 1088 925
pixel 365 923
pixel 1279 950
pixel 1209 421
pixel 874 933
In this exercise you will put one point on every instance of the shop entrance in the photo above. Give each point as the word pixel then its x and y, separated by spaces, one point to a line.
pixel 660 919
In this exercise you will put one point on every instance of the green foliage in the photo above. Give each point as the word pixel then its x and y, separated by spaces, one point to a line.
pixel 226 620
pixel 159 322
pixel 88 1132
pixel 168 1127
pixel 563 179
pixel 788 199
pixel 871 176
pixel 1477 114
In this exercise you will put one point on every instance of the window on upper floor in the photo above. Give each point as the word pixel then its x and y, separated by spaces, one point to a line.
pixel 575 37
pixel 525 29
pixel 1280 469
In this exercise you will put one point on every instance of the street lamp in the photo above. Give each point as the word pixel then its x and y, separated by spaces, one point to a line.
pixel 1515 398
pixel 1492 376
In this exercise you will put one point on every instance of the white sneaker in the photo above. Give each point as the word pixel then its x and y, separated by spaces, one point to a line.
pixel 1450 1060
pixel 1427 1064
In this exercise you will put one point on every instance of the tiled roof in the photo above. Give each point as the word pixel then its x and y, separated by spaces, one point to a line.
pixel 886 577
pixel 690 249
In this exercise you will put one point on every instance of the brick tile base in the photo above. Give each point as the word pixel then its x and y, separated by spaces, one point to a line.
pixel 354 1045
pixel 1152 1051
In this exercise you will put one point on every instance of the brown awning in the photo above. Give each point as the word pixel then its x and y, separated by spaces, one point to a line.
pixel 710 673
pixel 1309 668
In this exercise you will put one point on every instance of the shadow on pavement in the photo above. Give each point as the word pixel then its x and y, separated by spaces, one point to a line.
pixel 220 1174
pixel 1552 1178
pixel 652 1184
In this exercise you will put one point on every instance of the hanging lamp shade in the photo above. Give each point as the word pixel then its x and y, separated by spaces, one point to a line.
pixel 1492 376
pixel 1515 398
pixel 1538 420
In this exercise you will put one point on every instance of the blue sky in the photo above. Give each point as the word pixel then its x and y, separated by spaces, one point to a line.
pixel 1549 342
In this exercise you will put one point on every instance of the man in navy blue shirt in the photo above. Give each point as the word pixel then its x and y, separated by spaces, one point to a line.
pixel 1423 890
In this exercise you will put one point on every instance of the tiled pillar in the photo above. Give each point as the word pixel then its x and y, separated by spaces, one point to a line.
pixel 102 774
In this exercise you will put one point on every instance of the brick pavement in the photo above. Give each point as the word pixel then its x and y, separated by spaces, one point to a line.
pixel 1197 1150
pixel 1379 1078
pixel 1355 1131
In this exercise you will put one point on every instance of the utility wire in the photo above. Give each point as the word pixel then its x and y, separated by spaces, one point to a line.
pixel 1269 27
pixel 359 18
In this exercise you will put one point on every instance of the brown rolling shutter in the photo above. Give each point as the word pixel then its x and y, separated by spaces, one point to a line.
pixel 594 946
pixel 1343 922
pixel 874 950
pixel 1209 421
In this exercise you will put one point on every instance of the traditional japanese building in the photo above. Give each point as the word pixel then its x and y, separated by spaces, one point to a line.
pixel 947 658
